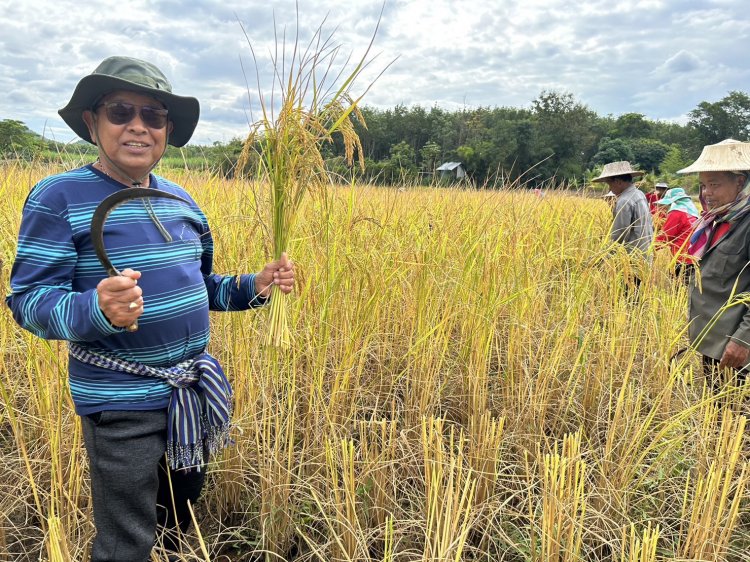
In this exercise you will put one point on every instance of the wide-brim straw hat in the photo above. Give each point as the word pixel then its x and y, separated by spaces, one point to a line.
pixel 125 73
pixel 672 195
pixel 661 185
pixel 726 156
pixel 614 169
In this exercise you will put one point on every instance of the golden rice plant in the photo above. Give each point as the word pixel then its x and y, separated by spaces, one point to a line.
pixel 484 439
pixel 378 449
pixel 315 101
pixel 563 503
pixel 341 479
pixel 445 335
pixel 712 503
pixel 637 548
pixel 449 493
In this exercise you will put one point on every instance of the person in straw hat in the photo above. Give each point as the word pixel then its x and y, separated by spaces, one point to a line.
pixel 632 225
pixel 152 393
pixel 720 245
pixel 652 197
pixel 674 233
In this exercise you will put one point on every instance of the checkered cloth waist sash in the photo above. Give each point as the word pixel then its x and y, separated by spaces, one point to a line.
pixel 200 408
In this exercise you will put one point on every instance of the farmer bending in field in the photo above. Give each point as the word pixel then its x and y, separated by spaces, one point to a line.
pixel 151 401
pixel 720 244
pixel 632 226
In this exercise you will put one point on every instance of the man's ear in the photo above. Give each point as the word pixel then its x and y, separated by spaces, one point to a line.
pixel 88 118
pixel 170 128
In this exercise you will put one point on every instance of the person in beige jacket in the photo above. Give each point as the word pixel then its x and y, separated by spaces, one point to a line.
pixel 720 322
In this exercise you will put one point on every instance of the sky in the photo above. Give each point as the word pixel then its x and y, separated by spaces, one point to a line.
pixel 660 58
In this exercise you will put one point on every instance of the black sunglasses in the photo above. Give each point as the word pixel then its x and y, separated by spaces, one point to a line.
pixel 120 113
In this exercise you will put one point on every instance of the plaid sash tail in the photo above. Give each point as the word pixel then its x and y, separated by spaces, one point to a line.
pixel 200 408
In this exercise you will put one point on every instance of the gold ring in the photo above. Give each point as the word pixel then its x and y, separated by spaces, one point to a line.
pixel 132 305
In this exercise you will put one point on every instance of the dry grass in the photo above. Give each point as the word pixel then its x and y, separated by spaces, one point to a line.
pixel 468 382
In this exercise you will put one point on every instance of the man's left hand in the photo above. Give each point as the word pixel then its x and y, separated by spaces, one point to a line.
pixel 279 272
pixel 735 355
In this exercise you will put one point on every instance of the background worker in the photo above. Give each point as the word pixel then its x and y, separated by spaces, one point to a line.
pixel 675 232
pixel 632 225
pixel 720 245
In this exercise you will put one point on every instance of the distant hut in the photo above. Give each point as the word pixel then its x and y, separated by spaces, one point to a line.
pixel 451 170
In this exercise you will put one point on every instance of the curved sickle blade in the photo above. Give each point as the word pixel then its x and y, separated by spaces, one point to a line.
pixel 107 206
pixel 100 217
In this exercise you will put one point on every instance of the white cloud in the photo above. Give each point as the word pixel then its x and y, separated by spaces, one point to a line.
pixel 657 57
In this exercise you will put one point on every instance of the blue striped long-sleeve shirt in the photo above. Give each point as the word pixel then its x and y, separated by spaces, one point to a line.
pixel 55 273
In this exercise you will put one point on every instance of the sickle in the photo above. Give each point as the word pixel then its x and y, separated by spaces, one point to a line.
pixel 102 212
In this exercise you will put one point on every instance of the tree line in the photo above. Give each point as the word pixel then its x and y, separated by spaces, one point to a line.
pixel 557 139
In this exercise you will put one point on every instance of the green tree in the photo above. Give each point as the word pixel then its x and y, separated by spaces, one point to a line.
pixel 726 118
pixel 673 160
pixel 649 153
pixel 632 126
pixel 18 141
pixel 567 128
pixel 401 163
pixel 430 154
pixel 612 150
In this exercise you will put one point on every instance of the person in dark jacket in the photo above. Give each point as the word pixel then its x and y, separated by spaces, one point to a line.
pixel 719 324
pixel 153 403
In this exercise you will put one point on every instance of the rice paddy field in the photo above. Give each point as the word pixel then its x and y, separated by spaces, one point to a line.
pixel 466 380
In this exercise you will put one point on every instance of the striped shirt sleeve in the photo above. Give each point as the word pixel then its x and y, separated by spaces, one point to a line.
pixel 42 299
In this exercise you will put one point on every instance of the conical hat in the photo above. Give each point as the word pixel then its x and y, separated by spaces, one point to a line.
pixel 614 169
pixel 726 156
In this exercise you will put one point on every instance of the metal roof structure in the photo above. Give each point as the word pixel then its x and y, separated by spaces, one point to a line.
pixel 448 166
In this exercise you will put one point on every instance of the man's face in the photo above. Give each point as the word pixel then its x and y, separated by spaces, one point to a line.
pixel 135 145
pixel 616 185
pixel 720 188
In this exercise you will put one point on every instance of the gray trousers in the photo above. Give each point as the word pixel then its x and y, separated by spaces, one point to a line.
pixel 130 484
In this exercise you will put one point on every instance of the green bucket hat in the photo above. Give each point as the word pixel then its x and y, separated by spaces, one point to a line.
pixel 125 73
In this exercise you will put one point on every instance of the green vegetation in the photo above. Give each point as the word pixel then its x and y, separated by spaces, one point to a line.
pixel 557 139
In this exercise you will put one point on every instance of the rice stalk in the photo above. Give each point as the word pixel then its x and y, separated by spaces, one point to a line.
pixel 642 548
pixel 711 505
pixel 449 494
pixel 563 503
pixel 315 101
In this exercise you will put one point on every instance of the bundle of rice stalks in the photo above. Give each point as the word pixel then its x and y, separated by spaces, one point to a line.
pixel 313 102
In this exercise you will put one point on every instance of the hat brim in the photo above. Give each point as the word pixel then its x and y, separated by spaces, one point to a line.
pixel 697 167
pixel 672 200
pixel 631 173
pixel 184 111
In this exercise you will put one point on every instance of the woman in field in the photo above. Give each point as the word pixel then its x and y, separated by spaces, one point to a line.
pixel 720 245
pixel 152 402
pixel 681 215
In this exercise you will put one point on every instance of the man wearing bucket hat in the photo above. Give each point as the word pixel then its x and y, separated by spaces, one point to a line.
pixel 144 393
pixel 720 244
pixel 632 225
pixel 681 216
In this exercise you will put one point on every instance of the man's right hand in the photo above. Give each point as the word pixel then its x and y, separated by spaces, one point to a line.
pixel 120 298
